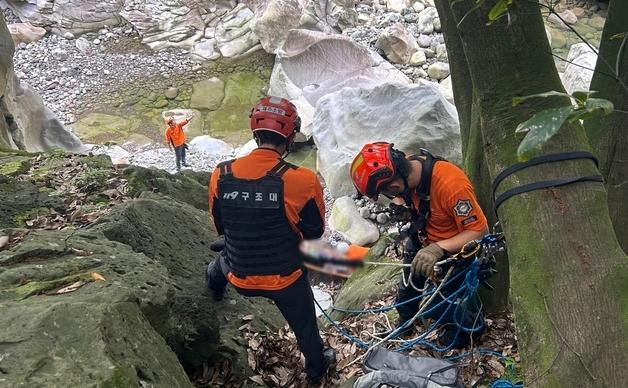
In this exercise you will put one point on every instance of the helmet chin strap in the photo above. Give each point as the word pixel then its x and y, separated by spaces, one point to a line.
pixel 407 193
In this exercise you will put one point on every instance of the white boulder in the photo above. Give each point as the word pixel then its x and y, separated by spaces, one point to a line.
pixel 346 220
pixel 575 77
pixel 25 33
pixel 397 43
pixel 117 154
pixel 246 149
pixel 410 116
pixel 312 64
pixel 211 145
pixel 37 128
pixel 273 20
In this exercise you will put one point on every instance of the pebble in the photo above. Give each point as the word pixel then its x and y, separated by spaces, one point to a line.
pixel 365 213
pixel 66 73
pixel 4 240
pixel 382 218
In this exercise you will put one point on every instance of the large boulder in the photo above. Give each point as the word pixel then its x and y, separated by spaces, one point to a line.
pixel 273 20
pixel 208 94
pixel 312 64
pixel 577 75
pixel 25 122
pixel 397 43
pixel 210 145
pixel 75 16
pixel 346 220
pixel 410 116
pixel 25 33
pixel 122 302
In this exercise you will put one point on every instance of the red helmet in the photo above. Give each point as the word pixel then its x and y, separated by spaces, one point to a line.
pixel 277 115
pixel 373 168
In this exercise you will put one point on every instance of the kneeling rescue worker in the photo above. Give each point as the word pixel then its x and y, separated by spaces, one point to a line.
pixel 264 206
pixel 445 216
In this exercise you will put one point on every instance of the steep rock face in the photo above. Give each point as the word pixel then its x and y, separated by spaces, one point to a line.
pixel 121 302
pixel 25 123
pixel 75 16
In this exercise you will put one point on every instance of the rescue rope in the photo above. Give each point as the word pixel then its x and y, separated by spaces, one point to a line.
pixel 456 305
pixel 501 383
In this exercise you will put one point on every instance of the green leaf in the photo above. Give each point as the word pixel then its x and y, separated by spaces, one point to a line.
pixel 518 100
pixel 593 107
pixel 600 103
pixel 621 35
pixel 541 127
pixel 499 9
pixel 582 96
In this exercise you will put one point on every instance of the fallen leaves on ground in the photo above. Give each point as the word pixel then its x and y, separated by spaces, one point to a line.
pixel 88 192
pixel 277 361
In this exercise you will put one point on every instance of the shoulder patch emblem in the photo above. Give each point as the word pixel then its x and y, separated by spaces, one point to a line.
pixel 463 207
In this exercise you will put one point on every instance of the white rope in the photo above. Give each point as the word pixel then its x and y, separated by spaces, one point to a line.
pixel 408 323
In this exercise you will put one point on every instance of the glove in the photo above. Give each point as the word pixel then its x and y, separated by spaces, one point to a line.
pixel 424 260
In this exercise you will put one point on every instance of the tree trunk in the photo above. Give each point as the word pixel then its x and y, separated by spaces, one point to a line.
pixel 472 149
pixel 569 276
pixel 608 134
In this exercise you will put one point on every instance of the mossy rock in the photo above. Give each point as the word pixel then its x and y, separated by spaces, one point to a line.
pixel 178 236
pixel 187 187
pixel 13 165
pixel 369 283
pixel 230 122
pixel 100 128
pixel 96 335
pixel 21 201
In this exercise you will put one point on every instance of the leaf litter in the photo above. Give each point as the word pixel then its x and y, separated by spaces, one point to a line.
pixel 277 361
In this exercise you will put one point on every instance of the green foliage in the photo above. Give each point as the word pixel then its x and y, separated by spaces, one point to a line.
pixel 499 9
pixel 543 125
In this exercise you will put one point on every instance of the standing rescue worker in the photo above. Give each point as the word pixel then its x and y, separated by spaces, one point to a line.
pixel 175 138
pixel 264 206
pixel 444 208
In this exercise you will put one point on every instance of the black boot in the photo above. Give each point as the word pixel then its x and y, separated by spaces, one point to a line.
pixel 329 354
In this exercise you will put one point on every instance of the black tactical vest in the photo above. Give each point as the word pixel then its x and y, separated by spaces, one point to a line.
pixel 258 237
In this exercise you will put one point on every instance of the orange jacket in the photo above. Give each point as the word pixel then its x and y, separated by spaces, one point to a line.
pixel 454 207
pixel 304 206
pixel 175 135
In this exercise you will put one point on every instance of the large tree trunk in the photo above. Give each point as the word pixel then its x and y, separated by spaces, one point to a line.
pixel 608 134
pixel 472 149
pixel 569 276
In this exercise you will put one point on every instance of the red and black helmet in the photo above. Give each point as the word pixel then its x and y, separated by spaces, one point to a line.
pixel 277 115
pixel 373 168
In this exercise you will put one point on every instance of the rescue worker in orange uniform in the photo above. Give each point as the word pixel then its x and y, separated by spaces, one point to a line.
pixel 175 138
pixel 264 207
pixel 445 213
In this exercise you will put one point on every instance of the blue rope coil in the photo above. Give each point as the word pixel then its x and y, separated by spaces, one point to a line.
pixel 501 383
